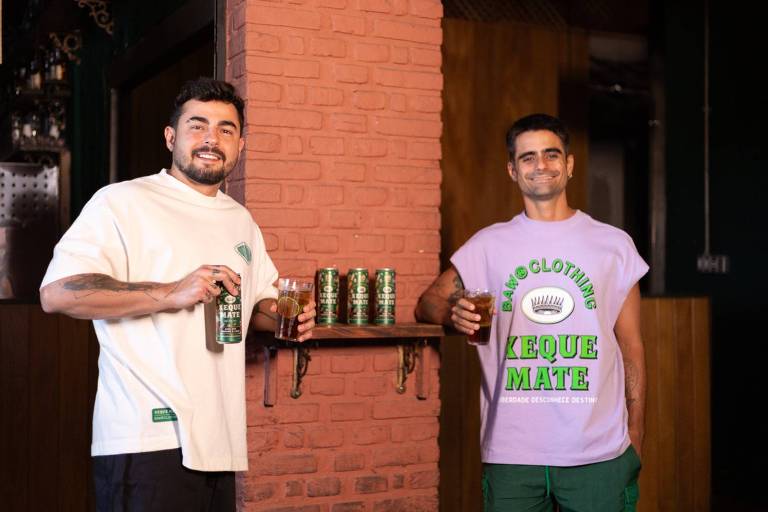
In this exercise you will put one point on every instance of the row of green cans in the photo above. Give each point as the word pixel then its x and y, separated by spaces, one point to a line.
pixel 358 293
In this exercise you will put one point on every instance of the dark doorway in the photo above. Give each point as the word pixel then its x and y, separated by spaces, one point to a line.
pixel 146 78
pixel 144 109
pixel 620 107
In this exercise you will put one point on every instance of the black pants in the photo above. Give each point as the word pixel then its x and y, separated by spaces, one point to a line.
pixel 156 481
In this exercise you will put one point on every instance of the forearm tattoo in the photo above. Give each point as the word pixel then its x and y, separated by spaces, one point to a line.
pixel 433 305
pixel 86 285
pixel 458 289
pixel 630 382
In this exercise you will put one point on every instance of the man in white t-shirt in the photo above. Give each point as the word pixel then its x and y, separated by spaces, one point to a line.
pixel 563 388
pixel 142 260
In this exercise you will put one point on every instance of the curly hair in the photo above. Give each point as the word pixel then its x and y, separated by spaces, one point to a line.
pixel 208 89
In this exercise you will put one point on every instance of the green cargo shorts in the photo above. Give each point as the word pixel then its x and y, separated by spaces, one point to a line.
pixel 609 486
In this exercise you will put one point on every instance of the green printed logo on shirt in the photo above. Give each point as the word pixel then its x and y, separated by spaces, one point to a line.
pixel 547 307
pixel 244 251
pixel 163 414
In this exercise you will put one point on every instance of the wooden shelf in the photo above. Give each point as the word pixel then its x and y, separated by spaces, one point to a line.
pixel 359 332
pixel 409 340
pixel 340 334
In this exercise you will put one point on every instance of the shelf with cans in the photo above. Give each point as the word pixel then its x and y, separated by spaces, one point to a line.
pixel 34 106
pixel 357 308
pixel 364 300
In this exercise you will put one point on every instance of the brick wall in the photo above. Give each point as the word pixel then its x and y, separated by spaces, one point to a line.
pixel 343 133
pixel 342 168
pixel 350 443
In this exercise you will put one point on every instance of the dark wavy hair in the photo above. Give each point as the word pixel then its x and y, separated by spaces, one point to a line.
pixel 208 89
pixel 536 122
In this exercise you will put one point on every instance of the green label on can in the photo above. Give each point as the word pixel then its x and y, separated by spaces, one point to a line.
pixel 228 317
pixel 163 414
pixel 357 296
pixel 385 296
pixel 327 296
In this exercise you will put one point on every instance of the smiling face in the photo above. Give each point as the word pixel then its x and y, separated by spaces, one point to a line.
pixel 206 141
pixel 541 167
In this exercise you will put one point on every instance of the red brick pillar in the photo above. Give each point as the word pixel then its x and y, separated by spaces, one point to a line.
pixel 342 168
pixel 350 443
pixel 343 133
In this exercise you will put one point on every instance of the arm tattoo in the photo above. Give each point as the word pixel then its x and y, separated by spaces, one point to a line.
pixel 94 283
pixel 458 289
pixel 630 382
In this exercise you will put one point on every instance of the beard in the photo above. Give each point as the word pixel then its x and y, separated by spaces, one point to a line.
pixel 200 174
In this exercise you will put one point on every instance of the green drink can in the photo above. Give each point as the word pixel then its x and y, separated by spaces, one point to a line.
pixel 229 327
pixel 357 296
pixel 385 296
pixel 327 296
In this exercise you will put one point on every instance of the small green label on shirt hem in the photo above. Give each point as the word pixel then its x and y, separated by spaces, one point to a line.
pixel 163 414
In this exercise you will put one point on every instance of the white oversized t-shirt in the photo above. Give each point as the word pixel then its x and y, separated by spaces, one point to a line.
pixel 553 375
pixel 159 387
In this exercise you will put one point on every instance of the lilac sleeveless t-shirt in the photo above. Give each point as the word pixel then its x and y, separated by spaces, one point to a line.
pixel 553 377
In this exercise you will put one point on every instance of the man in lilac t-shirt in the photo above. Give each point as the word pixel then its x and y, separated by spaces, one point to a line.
pixel 563 391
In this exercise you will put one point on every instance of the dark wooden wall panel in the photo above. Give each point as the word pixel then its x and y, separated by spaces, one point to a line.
pixel 677 455
pixel 650 487
pixel 47 386
pixel 74 415
pixel 15 410
pixel 685 404
pixel 44 392
pixel 460 464
pixel 702 433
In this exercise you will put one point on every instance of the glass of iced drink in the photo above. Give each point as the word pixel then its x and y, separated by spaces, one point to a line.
pixel 483 301
pixel 294 294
